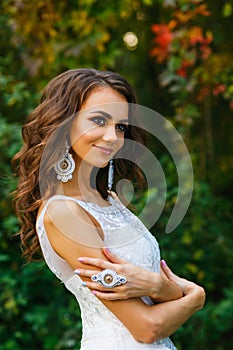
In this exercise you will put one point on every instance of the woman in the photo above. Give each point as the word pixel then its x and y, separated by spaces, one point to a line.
pixel 84 121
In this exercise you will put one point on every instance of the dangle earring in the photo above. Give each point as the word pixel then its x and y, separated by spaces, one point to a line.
pixel 110 175
pixel 65 167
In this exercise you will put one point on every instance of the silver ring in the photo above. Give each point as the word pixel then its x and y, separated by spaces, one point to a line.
pixel 108 278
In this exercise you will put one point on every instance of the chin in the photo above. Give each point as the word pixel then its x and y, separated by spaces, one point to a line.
pixel 102 165
pixel 98 164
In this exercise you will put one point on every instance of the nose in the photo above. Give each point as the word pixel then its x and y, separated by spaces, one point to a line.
pixel 110 133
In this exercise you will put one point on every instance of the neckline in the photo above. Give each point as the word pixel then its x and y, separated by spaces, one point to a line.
pixel 114 208
pixel 113 202
pixel 94 204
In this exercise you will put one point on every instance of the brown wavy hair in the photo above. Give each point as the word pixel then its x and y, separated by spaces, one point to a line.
pixel 44 135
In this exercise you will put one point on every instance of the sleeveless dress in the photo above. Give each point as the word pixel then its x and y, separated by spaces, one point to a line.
pixel 127 237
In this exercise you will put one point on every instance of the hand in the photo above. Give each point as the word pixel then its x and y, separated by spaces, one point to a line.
pixel 140 282
pixel 188 287
pixel 185 285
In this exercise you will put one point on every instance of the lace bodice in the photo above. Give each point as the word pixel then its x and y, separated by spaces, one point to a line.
pixel 127 237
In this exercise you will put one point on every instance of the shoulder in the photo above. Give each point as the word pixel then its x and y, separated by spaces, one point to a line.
pixel 62 208
pixel 66 219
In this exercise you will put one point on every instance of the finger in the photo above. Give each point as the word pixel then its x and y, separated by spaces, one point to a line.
pixel 109 295
pixel 113 257
pixel 95 286
pixel 163 274
pixel 102 264
pixel 168 272
pixel 119 291
pixel 86 272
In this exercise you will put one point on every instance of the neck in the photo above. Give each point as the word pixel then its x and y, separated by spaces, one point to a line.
pixel 79 185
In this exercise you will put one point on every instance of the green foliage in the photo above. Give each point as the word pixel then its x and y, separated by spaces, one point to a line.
pixel 190 80
pixel 30 299
pixel 200 249
pixel 212 327
pixel 196 63
pixel 30 294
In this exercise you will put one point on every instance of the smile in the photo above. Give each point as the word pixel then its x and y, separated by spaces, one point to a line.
pixel 104 150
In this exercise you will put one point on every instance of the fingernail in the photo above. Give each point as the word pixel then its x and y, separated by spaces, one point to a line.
pixel 94 292
pixel 107 249
pixel 77 271
pixel 80 259
pixel 163 262
pixel 84 284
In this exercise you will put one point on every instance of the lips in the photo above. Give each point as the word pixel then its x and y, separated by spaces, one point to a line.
pixel 104 150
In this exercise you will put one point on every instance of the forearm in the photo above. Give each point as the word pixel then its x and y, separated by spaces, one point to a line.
pixel 167 317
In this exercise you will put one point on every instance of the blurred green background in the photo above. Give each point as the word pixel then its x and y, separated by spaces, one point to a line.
pixel 178 56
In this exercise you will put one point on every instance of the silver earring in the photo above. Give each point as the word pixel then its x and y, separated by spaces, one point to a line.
pixel 110 175
pixel 65 167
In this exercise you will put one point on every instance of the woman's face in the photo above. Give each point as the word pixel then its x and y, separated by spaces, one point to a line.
pixel 97 133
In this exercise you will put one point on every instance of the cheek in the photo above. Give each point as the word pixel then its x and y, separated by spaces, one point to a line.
pixel 120 142
pixel 81 135
pixel 81 142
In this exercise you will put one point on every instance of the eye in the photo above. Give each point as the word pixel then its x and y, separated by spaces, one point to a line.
pixel 122 127
pixel 101 121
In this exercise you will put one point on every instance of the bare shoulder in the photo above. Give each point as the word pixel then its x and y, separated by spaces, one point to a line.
pixel 63 210
pixel 67 220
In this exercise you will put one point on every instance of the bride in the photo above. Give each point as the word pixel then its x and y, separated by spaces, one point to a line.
pixel 74 143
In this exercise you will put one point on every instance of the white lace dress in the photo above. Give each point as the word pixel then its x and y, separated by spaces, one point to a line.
pixel 127 237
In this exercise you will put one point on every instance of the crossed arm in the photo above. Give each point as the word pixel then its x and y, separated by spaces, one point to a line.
pixel 159 287
pixel 146 323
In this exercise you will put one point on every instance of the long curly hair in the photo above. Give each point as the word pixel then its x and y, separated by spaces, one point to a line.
pixel 44 136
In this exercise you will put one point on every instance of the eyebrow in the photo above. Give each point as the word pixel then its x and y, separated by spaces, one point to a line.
pixel 108 116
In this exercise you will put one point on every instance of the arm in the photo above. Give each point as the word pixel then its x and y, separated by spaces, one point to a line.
pixel 140 282
pixel 65 225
